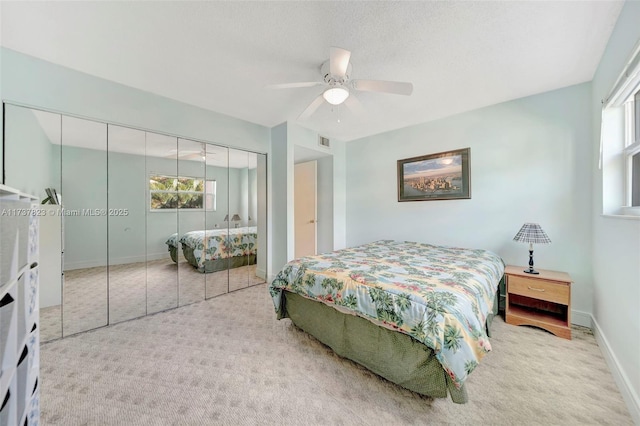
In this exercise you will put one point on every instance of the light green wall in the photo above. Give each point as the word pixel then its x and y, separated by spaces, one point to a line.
pixel 616 241
pixel 325 204
pixel 278 233
pixel 252 208
pixel 34 163
pixel 284 140
pixel 34 82
pixel 127 189
pixel 84 186
pixel 530 162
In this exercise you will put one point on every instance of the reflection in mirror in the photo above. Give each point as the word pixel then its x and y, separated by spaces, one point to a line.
pixel 126 218
pixel 239 234
pixel 258 213
pixel 134 209
pixel 162 222
pixel 190 187
pixel 217 209
pixel 247 197
pixel 32 152
pixel 84 198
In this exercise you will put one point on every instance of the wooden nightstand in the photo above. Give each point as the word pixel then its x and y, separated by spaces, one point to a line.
pixel 542 300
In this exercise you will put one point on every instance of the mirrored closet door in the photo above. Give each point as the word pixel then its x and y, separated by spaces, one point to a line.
pixel 83 190
pixel 161 207
pixel 240 235
pixel 134 222
pixel 247 198
pixel 216 263
pixel 32 163
pixel 257 217
pixel 191 221
pixel 126 223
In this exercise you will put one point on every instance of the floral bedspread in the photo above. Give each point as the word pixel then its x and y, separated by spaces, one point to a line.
pixel 218 243
pixel 439 295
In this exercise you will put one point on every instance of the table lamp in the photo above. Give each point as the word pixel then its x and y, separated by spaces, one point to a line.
pixel 531 233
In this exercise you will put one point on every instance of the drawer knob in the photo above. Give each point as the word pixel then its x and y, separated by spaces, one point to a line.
pixel 535 289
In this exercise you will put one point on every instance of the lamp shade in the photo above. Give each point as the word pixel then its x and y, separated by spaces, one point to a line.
pixel 532 233
pixel 226 218
pixel 235 218
pixel 336 95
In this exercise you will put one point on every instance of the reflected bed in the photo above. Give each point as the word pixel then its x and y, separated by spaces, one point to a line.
pixel 217 249
pixel 415 314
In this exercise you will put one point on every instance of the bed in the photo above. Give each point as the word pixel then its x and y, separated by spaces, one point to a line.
pixel 416 314
pixel 217 249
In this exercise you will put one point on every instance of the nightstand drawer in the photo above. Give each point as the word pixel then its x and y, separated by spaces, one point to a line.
pixel 556 292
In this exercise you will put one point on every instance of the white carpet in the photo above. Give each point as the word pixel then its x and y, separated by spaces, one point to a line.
pixel 228 361
pixel 95 297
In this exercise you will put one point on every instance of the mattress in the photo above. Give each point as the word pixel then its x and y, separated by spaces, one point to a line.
pixel 440 296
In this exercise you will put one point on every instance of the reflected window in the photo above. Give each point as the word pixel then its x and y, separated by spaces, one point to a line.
pixel 181 192
pixel 210 195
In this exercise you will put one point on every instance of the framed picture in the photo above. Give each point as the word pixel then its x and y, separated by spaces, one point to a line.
pixel 441 176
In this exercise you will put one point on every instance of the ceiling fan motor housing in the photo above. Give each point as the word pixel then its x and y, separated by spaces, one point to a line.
pixel 334 80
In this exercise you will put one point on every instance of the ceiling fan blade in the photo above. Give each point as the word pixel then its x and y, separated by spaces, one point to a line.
pixel 293 85
pixel 395 87
pixel 313 106
pixel 338 61
pixel 354 105
pixel 184 154
pixel 192 157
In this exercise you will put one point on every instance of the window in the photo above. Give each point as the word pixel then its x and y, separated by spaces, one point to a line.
pixel 210 195
pixel 620 142
pixel 631 150
pixel 180 192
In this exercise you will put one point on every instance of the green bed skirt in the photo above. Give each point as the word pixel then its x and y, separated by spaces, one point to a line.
pixel 173 251
pixel 212 265
pixel 395 356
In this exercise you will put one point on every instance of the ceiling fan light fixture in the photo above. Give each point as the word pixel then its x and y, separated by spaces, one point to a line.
pixel 336 95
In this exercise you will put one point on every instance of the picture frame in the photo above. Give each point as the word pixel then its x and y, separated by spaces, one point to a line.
pixel 440 176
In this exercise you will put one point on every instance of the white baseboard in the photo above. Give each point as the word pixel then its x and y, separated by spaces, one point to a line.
pixel 138 259
pixel 115 261
pixel 261 273
pixel 583 319
pixel 629 394
pixel 68 266
pixel 158 256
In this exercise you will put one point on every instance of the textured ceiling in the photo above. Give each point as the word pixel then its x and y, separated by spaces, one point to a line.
pixel 220 55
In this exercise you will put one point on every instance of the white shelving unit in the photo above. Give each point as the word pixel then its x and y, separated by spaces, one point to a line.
pixel 19 312
pixel 50 261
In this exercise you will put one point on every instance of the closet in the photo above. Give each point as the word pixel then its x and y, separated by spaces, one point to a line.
pixel 141 222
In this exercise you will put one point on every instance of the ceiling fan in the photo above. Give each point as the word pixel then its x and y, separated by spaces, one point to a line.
pixel 186 154
pixel 336 77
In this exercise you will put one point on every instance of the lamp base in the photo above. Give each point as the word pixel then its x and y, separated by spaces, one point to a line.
pixel 531 270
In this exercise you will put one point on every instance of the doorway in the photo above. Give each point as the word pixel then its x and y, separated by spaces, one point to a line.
pixel 305 208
